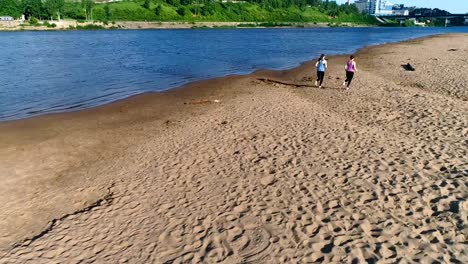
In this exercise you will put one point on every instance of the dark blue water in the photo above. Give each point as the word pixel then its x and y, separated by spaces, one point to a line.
pixel 45 72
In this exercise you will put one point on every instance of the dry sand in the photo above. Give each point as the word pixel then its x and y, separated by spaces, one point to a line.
pixel 277 171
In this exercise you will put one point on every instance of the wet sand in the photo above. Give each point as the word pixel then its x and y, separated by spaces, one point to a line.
pixel 263 168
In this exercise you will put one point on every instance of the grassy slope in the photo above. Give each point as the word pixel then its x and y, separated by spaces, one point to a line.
pixel 133 11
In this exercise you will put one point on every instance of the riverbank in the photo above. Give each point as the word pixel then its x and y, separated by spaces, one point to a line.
pixel 73 25
pixel 260 168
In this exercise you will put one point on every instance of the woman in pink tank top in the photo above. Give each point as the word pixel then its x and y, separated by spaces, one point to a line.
pixel 350 68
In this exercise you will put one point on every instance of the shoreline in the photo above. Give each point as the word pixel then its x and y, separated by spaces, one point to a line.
pixel 77 158
pixel 216 79
pixel 135 25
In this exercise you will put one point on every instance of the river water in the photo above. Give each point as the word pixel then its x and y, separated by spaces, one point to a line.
pixel 58 71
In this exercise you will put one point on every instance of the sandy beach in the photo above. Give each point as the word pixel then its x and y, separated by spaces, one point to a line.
pixel 263 168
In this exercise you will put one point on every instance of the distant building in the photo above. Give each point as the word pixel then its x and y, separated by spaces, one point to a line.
pixel 362 6
pixel 400 12
pixel 383 8
pixel 380 8
pixel 6 18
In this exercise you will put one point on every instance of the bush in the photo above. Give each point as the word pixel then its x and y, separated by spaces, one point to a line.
pixel 33 21
pixel 223 27
pixel 90 27
pixel 183 11
pixel 146 4
pixel 130 11
pixel 246 25
pixel 158 10
pixel 173 2
pixel 74 10
pixel 274 24
pixel 409 23
pixel 47 24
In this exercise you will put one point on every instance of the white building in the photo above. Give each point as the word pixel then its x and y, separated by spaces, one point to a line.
pixel 400 12
pixel 371 7
pixel 379 8
pixel 385 8
pixel 362 5
pixel 6 18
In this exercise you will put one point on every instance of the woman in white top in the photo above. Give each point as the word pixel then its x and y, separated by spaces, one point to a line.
pixel 321 67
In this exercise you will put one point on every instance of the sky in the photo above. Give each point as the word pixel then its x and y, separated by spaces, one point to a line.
pixel 453 6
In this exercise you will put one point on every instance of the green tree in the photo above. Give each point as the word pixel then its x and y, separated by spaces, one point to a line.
pixel 74 10
pixel 107 12
pixel 208 9
pixel 146 4
pixel 32 8
pixel 409 23
pixel 10 8
pixel 54 7
pixel 88 6
pixel 173 2
pixel 314 2
pixel 158 10
pixel 183 11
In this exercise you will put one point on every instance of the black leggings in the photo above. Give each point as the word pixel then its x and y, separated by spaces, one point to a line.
pixel 349 77
pixel 320 75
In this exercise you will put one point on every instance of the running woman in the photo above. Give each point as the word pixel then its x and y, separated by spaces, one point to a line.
pixel 321 67
pixel 350 68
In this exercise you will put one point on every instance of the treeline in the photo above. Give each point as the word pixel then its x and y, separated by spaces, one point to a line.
pixel 428 12
pixel 46 9
pixel 189 10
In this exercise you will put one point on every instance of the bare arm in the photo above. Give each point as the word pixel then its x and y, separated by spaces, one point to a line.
pixel 355 67
pixel 316 64
pixel 326 65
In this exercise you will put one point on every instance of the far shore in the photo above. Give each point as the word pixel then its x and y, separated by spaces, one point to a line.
pixel 74 24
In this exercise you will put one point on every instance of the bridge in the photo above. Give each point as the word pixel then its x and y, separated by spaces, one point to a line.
pixel 402 18
pixel 423 16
